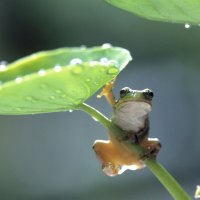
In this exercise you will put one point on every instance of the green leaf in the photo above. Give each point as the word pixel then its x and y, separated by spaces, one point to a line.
pixel 177 11
pixel 58 80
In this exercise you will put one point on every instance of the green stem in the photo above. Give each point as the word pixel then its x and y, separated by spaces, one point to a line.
pixel 167 180
pixel 176 191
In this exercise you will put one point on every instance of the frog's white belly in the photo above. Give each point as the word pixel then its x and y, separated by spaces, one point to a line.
pixel 131 116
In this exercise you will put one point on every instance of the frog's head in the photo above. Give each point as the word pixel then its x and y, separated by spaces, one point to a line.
pixel 132 108
pixel 127 94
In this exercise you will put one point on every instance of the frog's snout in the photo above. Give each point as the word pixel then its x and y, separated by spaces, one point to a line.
pixel 148 94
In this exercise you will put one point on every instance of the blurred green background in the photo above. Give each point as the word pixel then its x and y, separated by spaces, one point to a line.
pixel 50 156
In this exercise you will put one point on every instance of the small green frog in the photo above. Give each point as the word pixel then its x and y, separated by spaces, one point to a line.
pixel 131 115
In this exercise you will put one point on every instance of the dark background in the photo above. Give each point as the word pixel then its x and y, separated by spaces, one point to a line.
pixel 50 156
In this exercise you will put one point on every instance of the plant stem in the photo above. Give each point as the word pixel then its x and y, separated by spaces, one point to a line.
pixel 168 181
pixel 176 191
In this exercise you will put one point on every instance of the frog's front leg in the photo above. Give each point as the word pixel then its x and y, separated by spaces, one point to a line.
pixel 107 91
pixel 151 147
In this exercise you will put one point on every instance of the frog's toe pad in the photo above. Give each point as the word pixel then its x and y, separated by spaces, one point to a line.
pixel 152 150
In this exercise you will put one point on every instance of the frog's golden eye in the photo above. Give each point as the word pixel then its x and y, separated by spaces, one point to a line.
pixel 124 91
pixel 148 94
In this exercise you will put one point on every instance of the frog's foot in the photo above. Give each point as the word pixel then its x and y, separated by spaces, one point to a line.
pixel 110 169
pixel 108 93
pixel 108 157
pixel 152 147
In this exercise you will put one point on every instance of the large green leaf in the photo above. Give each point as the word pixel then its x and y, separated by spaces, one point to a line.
pixel 178 11
pixel 58 80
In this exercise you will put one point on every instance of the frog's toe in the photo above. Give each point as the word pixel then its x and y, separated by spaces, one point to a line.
pixel 152 150
pixel 110 169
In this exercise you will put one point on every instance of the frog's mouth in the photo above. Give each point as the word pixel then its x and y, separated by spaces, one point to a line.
pixel 131 115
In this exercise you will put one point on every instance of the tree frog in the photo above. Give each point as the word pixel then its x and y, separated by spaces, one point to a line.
pixel 130 113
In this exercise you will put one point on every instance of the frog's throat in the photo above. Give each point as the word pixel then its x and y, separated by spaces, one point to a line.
pixel 131 116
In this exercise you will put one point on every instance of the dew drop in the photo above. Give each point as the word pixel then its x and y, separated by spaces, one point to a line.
pixel 58 91
pixel 34 56
pixel 70 110
pixel 41 72
pixel 95 83
pixel 3 66
pixel 106 46
pixel 76 61
pixel 63 95
pixel 113 62
pixel 104 61
pixel 18 109
pixel 18 79
pixel 52 97
pixel 83 46
pixel 57 68
pixel 88 79
pixel 187 25
pixel 30 99
pixel 113 70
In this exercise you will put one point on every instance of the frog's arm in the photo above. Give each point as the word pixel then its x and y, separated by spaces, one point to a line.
pixel 107 91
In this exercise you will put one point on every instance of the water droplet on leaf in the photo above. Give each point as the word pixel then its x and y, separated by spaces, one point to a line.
pixel 88 79
pixel 18 79
pixel 3 66
pixel 83 46
pixel 58 91
pixel 41 72
pixel 63 95
pixel 113 71
pixel 57 68
pixel 31 99
pixel 113 62
pixel 104 61
pixel 106 46
pixel 76 61
pixel 187 25
pixel 52 97
pixel 18 109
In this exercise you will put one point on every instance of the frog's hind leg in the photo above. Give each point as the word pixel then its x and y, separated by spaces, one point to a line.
pixel 151 146
pixel 107 91
pixel 106 153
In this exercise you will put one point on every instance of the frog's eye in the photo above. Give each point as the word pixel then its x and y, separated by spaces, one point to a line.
pixel 148 94
pixel 124 91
